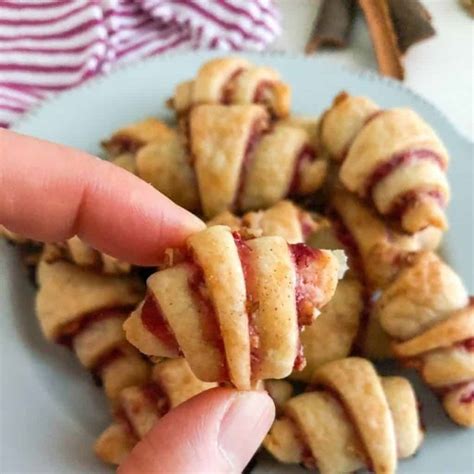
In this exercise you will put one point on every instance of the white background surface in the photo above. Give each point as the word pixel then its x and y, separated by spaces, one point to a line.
pixel 441 69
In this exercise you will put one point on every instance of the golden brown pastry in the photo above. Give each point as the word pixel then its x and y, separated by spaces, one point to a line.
pixel 85 311
pixel 353 419
pixel 284 219
pixel 228 158
pixel 77 251
pixel 139 407
pixel 343 121
pixel 333 334
pixel 165 163
pixel 377 252
pixel 373 342
pixel 427 312
pixel 234 307
pixel 129 139
pixel 392 158
pixel 310 124
pixel 280 392
pixel 242 164
pixel 233 80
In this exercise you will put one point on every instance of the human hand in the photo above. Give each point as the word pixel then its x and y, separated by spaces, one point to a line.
pixel 50 192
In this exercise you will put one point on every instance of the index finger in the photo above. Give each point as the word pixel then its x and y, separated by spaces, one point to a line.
pixel 51 192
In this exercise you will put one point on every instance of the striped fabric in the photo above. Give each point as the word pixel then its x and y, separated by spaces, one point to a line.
pixel 50 46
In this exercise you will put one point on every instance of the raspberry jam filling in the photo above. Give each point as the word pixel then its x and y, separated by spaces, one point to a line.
pixel 209 321
pixel 408 200
pixel 467 344
pixel 467 397
pixel 263 92
pixel 300 361
pixel 157 397
pixel 124 143
pixel 307 289
pixel 307 458
pixel 306 155
pixel 228 89
pixel 105 360
pixel 348 241
pixel 70 330
pixel 154 320
pixel 399 159
pixel 251 303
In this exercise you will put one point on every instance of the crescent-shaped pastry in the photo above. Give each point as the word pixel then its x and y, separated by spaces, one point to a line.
pixel 284 219
pixel 227 158
pixel 77 251
pixel 242 164
pixel 332 335
pixel 234 307
pixel 129 139
pixel 397 162
pixel 343 121
pixel 139 407
pixel 85 311
pixel 165 163
pixel 377 252
pixel 427 312
pixel 233 80
pixel 351 420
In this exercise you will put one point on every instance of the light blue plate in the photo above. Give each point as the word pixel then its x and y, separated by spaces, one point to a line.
pixel 51 412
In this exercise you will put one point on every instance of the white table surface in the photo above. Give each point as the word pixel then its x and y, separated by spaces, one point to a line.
pixel 441 69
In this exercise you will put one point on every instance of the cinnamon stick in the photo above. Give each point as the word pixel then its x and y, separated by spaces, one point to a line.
pixel 333 24
pixel 469 6
pixel 379 22
pixel 412 22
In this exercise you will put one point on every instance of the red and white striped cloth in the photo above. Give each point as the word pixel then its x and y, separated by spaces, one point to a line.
pixel 50 46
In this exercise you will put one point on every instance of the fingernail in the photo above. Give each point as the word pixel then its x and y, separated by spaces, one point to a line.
pixel 243 427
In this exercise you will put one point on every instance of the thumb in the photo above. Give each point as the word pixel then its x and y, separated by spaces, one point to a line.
pixel 216 431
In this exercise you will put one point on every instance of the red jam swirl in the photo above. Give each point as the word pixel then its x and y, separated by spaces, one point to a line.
pixel 260 96
pixel 228 89
pixel 70 330
pixel 105 360
pixel 209 321
pixel 157 397
pixel 306 155
pixel 407 200
pixel 251 303
pixel 307 458
pixel 300 361
pixel 384 169
pixel 467 344
pixel 348 241
pixel 467 397
pixel 124 143
pixel 154 320
pixel 307 290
